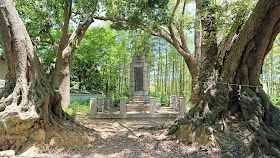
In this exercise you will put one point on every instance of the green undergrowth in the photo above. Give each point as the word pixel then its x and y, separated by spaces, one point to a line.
pixel 275 99
pixel 160 97
pixel 78 107
pixel 118 97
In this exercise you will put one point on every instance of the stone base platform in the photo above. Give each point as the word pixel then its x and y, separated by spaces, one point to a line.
pixel 120 116
pixel 137 106
pixel 139 99
pixel 163 112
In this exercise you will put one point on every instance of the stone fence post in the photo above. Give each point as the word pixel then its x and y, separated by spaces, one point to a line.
pixel 172 102
pixel 123 106
pixel 111 102
pixel 107 103
pixel 152 105
pixel 93 107
pixel 182 105
pixel 177 101
pixel 100 103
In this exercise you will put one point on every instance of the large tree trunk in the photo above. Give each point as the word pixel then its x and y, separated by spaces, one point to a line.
pixel 234 89
pixel 197 37
pixel 29 109
pixel 62 45
pixel 64 88
pixel 67 59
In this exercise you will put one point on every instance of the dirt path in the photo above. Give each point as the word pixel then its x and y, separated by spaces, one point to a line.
pixel 129 138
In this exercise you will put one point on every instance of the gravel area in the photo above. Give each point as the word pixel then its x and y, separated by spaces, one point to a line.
pixel 129 138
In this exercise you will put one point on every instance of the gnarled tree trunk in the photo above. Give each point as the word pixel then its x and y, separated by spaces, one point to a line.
pixel 234 89
pixel 27 102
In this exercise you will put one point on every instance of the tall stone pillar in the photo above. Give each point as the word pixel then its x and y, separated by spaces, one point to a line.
pixel 139 80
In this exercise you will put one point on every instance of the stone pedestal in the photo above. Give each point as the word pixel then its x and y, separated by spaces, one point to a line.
pixel 139 80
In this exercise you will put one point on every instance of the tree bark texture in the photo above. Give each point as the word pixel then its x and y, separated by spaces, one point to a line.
pixel 29 109
pixel 67 58
pixel 234 89
pixel 64 87
pixel 197 37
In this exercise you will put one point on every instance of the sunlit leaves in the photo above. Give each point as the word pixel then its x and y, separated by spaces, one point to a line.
pixel 230 13
pixel 142 43
pixel 140 12
pixel 97 54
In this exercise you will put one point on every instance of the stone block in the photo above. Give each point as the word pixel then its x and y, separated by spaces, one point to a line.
pixel 139 61
pixel 138 57
pixel 145 84
pixel 145 88
pixel 145 69
pixel 152 105
pixel 140 93
pixel 93 107
pixel 172 102
pixel 122 106
pixel 146 93
pixel 138 64
pixel 182 105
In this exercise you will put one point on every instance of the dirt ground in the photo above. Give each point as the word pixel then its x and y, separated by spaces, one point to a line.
pixel 123 138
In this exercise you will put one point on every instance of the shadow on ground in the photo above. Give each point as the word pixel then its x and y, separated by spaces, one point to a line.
pixel 131 138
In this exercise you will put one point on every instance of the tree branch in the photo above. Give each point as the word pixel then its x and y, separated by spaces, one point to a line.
pixel 246 34
pixel 189 59
pixel 62 43
pixel 164 29
pixel 105 18
pixel 164 37
pixel 197 33
pixel 224 45
pixel 77 36
pixel 181 31
pixel 48 42
pixel 275 32
pixel 53 42
pixel 175 8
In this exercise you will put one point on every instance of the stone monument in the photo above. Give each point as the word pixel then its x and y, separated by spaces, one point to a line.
pixel 139 80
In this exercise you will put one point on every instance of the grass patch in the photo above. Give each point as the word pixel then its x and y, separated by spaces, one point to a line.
pixel 78 106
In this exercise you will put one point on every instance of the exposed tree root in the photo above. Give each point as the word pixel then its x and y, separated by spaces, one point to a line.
pixel 21 136
pixel 255 128
pixel 27 118
pixel 263 118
